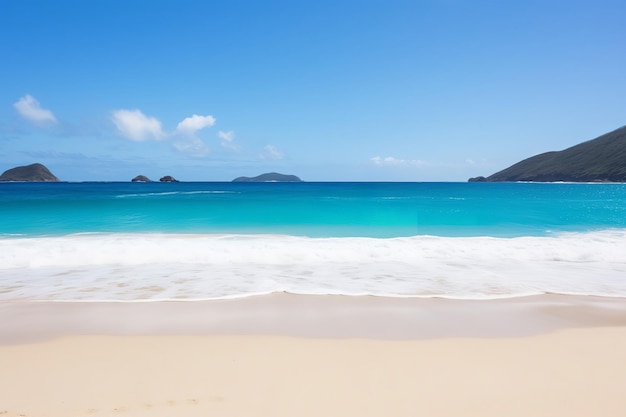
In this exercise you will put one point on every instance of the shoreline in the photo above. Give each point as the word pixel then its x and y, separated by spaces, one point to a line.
pixel 312 316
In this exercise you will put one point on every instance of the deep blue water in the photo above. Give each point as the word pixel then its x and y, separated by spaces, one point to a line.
pixel 311 209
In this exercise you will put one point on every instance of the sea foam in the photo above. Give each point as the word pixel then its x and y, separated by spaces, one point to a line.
pixel 133 267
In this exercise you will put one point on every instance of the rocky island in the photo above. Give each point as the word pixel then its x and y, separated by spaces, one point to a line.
pixel 32 173
pixel 602 159
pixel 141 178
pixel 269 177
pixel 168 178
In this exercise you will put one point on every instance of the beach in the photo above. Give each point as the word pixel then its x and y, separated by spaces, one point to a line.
pixel 312 209
pixel 312 299
pixel 286 355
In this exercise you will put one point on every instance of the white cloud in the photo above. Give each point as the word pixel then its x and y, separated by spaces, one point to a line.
pixel 271 152
pixel 391 161
pixel 190 143
pixel 134 125
pixel 30 109
pixel 190 125
pixel 193 147
pixel 228 140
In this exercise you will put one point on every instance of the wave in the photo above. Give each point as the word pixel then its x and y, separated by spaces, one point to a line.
pixel 133 267
pixel 166 193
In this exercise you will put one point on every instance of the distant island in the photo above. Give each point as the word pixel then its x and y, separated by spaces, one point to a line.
pixel 141 178
pixel 168 178
pixel 32 173
pixel 269 177
pixel 602 159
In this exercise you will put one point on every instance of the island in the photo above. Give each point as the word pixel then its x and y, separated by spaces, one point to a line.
pixel 141 178
pixel 602 159
pixel 269 177
pixel 168 178
pixel 31 173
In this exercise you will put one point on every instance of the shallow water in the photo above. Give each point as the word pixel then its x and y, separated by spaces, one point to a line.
pixel 311 209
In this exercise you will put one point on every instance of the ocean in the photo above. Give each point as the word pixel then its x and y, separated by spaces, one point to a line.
pixel 113 241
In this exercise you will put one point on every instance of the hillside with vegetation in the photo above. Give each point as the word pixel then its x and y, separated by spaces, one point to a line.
pixel 269 177
pixel 602 159
pixel 32 173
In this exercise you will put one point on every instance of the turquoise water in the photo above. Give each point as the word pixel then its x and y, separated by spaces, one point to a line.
pixel 311 209
pixel 191 241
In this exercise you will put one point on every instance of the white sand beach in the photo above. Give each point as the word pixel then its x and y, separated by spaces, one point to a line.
pixel 286 355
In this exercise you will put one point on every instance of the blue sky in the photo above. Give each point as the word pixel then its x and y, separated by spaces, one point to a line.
pixel 436 90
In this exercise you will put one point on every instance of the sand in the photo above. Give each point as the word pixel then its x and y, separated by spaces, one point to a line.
pixel 289 355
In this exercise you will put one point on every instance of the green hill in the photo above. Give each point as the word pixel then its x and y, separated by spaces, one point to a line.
pixel 269 177
pixel 33 172
pixel 602 159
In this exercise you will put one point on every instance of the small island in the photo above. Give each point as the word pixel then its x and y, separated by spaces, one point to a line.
pixel 141 178
pixel 30 173
pixel 168 178
pixel 602 159
pixel 269 177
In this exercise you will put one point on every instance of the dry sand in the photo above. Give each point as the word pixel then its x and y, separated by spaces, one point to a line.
pixel 315 356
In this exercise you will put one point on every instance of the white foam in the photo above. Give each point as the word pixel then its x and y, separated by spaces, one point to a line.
pixel 132 267
pixel 166 193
